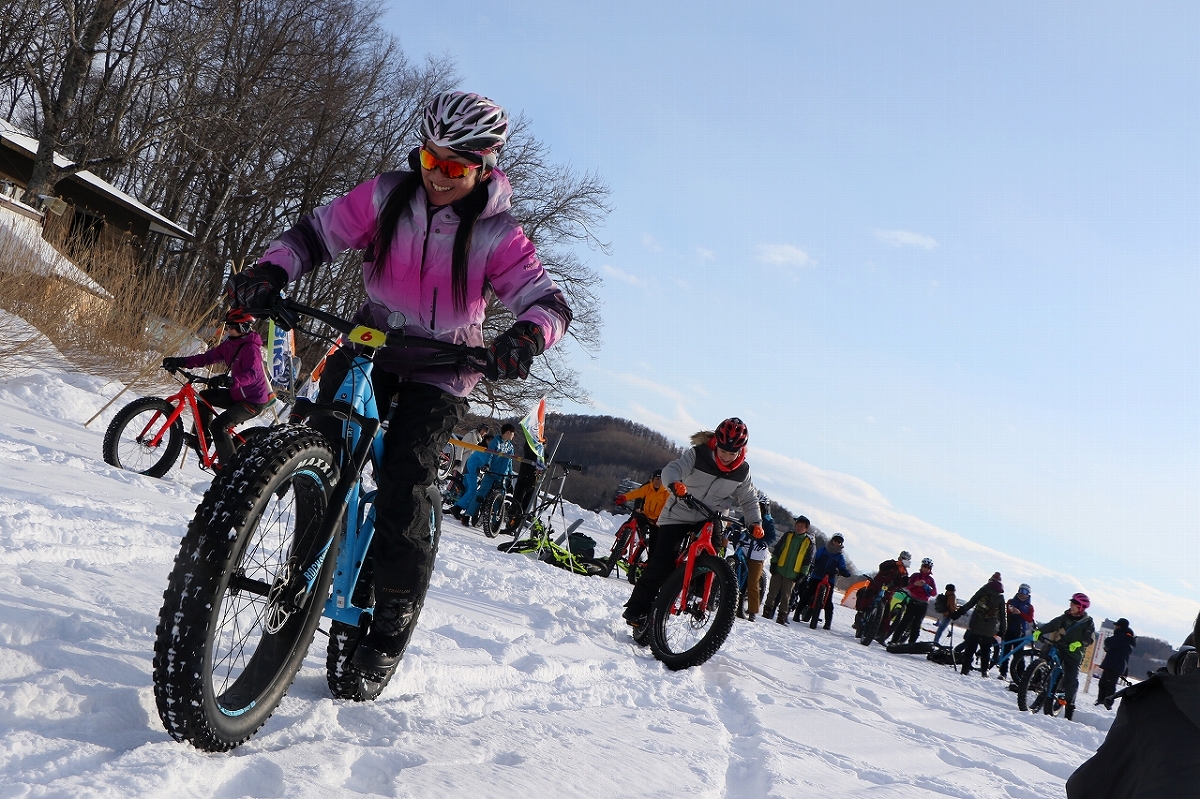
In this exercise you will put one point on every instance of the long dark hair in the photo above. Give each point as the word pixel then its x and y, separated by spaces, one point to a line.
pixel 396 205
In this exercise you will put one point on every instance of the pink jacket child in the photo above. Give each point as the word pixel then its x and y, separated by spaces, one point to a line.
pixel 244 392
pixel 244 358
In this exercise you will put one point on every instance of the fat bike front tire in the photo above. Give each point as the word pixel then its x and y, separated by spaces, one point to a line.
pixel 493 513
pixel 228 642
pixel 870 625
pixel 1031 695
pixel 345 680
pixel 126 439
pixel 689 635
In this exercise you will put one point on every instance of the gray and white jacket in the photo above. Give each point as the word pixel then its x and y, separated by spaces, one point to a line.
pixel 707 482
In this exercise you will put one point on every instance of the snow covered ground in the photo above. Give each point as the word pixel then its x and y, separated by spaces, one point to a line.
pixel 521 680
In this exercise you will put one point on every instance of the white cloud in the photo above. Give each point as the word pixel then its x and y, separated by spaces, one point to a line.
pixel 618 274
pixel 705 254
pixel 650 244
pixel 905 238
pixel 784 255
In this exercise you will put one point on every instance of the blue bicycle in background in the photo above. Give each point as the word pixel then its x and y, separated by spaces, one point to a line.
pixel 1040 687
pixel 282 537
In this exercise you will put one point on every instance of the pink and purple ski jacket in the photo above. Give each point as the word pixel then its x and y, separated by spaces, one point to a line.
pixel 416 277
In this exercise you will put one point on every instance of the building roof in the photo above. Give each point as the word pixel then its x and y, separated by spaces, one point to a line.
pixel 14 138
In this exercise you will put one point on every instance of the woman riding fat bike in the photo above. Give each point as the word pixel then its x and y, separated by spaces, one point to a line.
pixel 438 245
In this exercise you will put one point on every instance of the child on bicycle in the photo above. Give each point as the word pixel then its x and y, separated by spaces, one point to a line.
pixel 246 391
pixel 1071 633
pixel 439 245
pixel 716 472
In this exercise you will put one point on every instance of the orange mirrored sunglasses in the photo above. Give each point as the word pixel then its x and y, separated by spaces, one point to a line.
pixel 451 169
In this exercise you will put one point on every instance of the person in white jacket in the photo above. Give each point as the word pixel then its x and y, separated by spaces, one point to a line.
pixel 714 471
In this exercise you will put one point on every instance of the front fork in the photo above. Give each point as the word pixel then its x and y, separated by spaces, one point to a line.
pixel 701 546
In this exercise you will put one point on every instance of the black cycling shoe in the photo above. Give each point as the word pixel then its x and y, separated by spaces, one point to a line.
pixel 640 630
pixel 383 646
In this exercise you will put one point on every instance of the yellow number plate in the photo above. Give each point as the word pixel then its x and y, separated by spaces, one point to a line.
pixel 368 336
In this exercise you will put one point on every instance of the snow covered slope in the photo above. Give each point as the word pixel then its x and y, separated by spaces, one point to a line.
pixel 521 680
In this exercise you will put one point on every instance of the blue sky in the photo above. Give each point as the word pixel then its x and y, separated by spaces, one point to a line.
pixel 948 249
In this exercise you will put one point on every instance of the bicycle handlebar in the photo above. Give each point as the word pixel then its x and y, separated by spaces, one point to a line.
pixel 192 377
pixel 714 515
pixel 286 312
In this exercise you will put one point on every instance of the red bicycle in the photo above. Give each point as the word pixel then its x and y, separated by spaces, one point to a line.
pixel 820 597
pixel 147 435
pixel 630 551
pixel 693 611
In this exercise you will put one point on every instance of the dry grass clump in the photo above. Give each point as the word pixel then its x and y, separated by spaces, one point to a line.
pixel 109 317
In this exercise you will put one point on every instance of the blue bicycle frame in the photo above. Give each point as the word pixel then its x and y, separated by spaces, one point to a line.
pixel 358 526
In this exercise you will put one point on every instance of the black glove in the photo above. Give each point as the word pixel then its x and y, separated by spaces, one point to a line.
pixel 256 288
pixel 220 381
pixel 512 353
pixel 956 615
pixel 171 364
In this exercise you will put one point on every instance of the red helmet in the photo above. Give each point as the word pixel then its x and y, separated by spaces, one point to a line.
pixel 237 319
pixel 732 434
pixel 1082 599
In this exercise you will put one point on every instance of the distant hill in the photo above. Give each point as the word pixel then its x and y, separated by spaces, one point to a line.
pixel 610 449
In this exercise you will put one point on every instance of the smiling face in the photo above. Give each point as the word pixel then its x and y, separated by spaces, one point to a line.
pixel 726 457
pixel 442 190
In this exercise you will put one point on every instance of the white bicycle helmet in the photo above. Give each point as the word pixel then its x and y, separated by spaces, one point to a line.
pixel 466 123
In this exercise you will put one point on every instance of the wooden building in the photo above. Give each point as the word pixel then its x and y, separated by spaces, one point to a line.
pixel 95 210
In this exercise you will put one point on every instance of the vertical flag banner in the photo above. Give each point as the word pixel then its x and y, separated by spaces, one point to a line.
pixel 534 427
pixel 282 346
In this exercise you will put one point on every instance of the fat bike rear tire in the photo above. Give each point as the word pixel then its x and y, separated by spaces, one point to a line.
pixel 228 643
pixel 345 680
pixel 123 447
pixel 693 634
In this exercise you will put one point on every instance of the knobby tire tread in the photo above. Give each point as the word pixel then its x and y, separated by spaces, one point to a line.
pixel 215 541
pixel 711 641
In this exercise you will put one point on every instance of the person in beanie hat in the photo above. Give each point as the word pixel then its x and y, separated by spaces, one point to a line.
pixel 984 628
pixel 1117 649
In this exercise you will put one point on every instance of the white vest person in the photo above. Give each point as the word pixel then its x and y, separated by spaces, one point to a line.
pixel 715 471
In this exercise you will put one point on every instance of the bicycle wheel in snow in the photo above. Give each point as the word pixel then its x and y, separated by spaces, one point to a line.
pixel 229 642
pixel 127 441
pixel 685 630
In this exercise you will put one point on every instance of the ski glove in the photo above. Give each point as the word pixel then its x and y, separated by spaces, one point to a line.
pixel 619 499
pixel 220 381
pixel 680 489
pixel 956 615
pixel 756 531
pixel 513 351
pixel 1075 646
pixel 256 288
pixel 171 364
